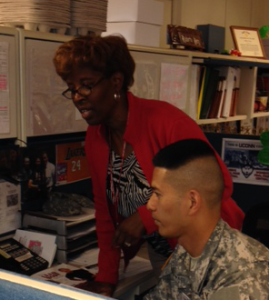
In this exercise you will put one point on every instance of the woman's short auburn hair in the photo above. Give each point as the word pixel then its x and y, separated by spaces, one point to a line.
pixel 106 55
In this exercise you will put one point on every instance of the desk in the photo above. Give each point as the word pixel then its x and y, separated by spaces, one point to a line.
pixel 138 278
pixel 129 287
pixel 133 286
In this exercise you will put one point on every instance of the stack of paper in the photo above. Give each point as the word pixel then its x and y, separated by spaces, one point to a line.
pixel 89 14
pixel 55 14
pixel 64 274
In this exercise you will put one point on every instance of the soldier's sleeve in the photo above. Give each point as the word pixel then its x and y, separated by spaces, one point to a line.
pixel 226 293
pixel 154 295
pixel 246 290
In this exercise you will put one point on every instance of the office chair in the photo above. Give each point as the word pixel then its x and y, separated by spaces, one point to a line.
pixel 256 223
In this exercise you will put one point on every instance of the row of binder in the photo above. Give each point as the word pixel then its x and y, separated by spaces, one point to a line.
pixel 218 92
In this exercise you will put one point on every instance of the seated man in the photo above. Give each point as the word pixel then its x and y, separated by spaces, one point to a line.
pixel 211 261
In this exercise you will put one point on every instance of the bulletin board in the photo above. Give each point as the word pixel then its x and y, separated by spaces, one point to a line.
pixel 46 110
pixel 9 84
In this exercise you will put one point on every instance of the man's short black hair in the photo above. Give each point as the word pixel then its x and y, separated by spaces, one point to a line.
pixel 181 152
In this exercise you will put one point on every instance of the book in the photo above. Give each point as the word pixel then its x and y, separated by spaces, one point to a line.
pixel 209 92
pixel 194 92
pixel 222 97
pixel 235 93
pixel 214 108
pixel 230 74
pixel 201 90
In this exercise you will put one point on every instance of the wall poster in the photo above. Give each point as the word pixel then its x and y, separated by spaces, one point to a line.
pixel 4 88
pixel 241 158
pixel 71 163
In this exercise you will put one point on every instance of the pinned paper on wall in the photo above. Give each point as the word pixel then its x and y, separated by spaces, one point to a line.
pixel 173 86
pixel 10 204
pixel 47 106
pixel 71 163
pixel 146 83
pixel 48 111
pixel 4 88
pixel 241 159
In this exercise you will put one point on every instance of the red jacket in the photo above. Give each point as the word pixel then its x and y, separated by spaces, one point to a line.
pixel 151 125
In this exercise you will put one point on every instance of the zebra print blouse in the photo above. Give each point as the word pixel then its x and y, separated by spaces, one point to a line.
pixel 134 191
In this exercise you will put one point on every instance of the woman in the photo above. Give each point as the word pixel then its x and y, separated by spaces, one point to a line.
pixel 123 135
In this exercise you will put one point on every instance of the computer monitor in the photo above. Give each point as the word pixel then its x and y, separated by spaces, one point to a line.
pixel 16 286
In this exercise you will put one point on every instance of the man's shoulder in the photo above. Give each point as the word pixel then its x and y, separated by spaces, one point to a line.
pixel 239 262
pixel 239 257
pixel 243 246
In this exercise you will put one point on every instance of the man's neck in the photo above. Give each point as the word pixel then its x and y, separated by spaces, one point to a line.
pixel 195 241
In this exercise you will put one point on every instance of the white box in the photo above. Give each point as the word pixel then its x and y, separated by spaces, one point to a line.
pixel 145 11
pixel 136 33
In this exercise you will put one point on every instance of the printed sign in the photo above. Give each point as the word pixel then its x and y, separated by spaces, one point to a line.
pixel 241 158
pixel 71 163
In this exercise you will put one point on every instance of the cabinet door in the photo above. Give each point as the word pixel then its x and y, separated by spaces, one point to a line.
pixel 162 76
pixel 47 112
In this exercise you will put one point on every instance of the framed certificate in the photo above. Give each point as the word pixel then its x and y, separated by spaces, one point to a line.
pixel 247 40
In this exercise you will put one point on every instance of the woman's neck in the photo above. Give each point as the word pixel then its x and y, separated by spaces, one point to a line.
pixel 117 124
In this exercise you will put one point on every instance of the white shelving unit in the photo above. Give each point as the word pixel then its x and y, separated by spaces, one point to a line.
pixel 29 46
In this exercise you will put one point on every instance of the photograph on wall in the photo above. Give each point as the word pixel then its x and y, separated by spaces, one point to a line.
pixel 241 159
pixel 38 174
pixel 71 163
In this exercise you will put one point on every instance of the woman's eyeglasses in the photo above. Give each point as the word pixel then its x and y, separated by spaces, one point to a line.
pixel 83 90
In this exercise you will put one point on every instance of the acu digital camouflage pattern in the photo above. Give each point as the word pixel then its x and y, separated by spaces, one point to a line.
pixel 63 204
pixel 232 266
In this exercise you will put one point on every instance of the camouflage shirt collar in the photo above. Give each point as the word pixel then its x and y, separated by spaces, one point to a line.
pixel 180 261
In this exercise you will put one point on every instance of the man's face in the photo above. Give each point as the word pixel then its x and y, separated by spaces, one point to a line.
pixel 167 205
pixel 45 158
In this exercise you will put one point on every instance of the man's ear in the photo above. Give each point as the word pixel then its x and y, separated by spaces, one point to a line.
pixel 195 201
pixel 117 80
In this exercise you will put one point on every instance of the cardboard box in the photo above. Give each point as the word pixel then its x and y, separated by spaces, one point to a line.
pixel 213 37
pixel 136 33
pixel 144 11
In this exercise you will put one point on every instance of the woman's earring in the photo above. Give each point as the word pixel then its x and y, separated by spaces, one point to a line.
pixel 117 96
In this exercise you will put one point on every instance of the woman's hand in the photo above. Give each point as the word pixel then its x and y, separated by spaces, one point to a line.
pixel 103 288
pixel 129 231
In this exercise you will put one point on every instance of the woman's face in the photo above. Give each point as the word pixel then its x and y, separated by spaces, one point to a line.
pixel 99 106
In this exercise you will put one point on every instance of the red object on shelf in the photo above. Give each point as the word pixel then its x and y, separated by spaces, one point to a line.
pixel 235 52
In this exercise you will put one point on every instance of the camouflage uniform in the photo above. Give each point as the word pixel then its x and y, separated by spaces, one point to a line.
pixel 232 266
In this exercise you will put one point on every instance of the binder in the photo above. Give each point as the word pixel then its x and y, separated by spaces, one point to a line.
pixel 230 74
pixel 222 97
pixel 210 89
pixel 201 91
pixel 214 108
pixel 235 93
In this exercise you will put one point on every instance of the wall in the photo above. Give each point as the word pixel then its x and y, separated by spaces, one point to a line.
pixel 189 13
